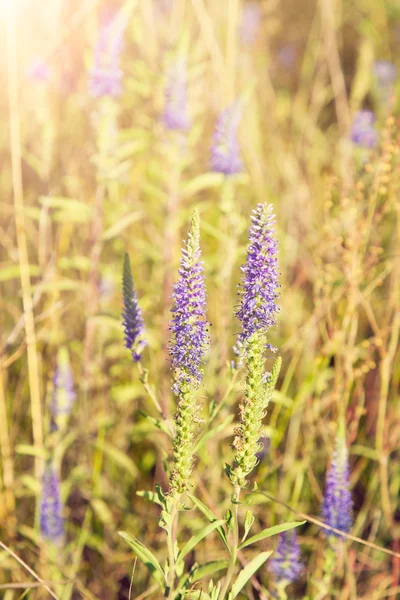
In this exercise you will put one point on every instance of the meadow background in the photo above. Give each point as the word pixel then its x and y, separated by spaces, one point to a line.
pixel 85 179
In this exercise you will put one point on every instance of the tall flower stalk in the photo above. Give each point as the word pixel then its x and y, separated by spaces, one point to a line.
pixel 189 342
pixel 257 313
pixel 132 318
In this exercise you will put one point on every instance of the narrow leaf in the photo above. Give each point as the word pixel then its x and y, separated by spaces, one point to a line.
pixel 210 516
pixel 248 571
pixel 208 569
pixel 146 556
pixel 266 533
pixel 195 539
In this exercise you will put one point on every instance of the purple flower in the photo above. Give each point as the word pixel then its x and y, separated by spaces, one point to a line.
pixel 286 564
pixel 225 152
pixel 362 131
pixel 51 520
pixel 132 319
pixel 63 396
pixel 38 70
pixel 385 73
pixel 189 326
pixel 175 116
pixel 337 504
pixel 258 290
pixel 105 78
pixel 250 24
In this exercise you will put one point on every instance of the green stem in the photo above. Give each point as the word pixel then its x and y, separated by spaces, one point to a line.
pixel 234 550
pixel 171 536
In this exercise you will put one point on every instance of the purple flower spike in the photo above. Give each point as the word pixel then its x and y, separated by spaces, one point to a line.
pixel 105 78
pixel 175 116
pixel 362 131
pixel 51 520
pixel 258 290
pixel 189 326
pixel 38 70
pixel 286 564
pixel 64 395
pixel 225 152
pixel 337 505
pixel 385 73
pixel 132 315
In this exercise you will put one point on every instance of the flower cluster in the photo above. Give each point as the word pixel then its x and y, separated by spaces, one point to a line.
pixel 190 341
pixel 286 565
pixel 258 291
pixel 225 153
pixel 175 116
pixel 51 520
pixel 337 504
pixel 363 132
pixel 105 78
pixel 132 319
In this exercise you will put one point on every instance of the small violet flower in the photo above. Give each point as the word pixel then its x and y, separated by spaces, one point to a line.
pixel 38 70
pixel 51 520
pixel 385 73
pixel 258 290
pixel 225 152
pixel 285 563
pixel 175 115
pixel 105 77
pixel 362 131
pixel 132 319
pixel 337 503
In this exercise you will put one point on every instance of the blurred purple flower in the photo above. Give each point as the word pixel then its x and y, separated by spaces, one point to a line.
pixel 258 290
pixel 38 70
pixel 225 152
pixel 175 116
pixel 250 23
pixel 385 73
pixel 337 506
pixel 189 325
pixel 132 319
pixel 64 395
pixel 287 56
pixel 285 563
pixel 363 132
pixel 51 520
pixel 105 77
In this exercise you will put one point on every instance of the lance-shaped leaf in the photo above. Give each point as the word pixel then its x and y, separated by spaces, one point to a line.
pixel 270 532
pixel 147 557
pixel 195 539
pixel 248 571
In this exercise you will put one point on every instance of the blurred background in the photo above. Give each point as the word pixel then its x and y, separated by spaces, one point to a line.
pixel 108 113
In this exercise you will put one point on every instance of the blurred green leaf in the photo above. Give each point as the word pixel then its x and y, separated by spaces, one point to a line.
pixel 146 556
pixel 247 572
pixel 266 533
pixel 195 539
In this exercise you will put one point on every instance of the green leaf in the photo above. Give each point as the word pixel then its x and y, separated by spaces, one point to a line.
pixel 210 516
pixel 118 457
pixel 266 533
pixel 29 450
pixel 202 182
pixel 151 496
pixel 195 539
pixel 156 422
pixel 102 511
pixel 208 569
pixel 8 272
pixel 213 432
pixel 147 557
pixel 248 522
pixel 248 571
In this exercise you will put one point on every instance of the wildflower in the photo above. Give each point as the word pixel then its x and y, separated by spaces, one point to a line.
pixel 175 116
pixel 225 153
pixel 385 73
pixel 189 326
pixel 105 78
pixel 286 564
pixel 51 520
pixel 258 291
pixel 362 131
pixel 337 503
pixel 132 315
pixel 63 396
pixel 250 23
pixel 190 341
pixel 38 70
pixel 256 313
